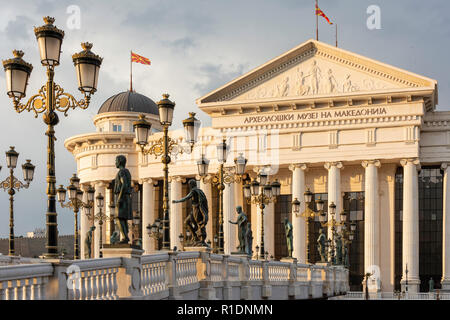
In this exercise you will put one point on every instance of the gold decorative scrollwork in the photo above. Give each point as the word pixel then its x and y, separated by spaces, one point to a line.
pixel 65 101
pixel 157 149
pixel 16 185
pixel 36 103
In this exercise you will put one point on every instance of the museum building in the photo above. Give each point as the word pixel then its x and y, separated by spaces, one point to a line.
pixel 356 132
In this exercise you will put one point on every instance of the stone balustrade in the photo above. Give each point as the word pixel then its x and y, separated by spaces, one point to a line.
pixel 171 275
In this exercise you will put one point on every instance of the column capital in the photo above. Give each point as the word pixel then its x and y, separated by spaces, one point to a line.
pixel 366 163
pixel 294 166
pixel 264 168
pixel 99 184
pixel 414 161
pixel 177 179
pixel 337 164
pixel 145 180
pixel 444 165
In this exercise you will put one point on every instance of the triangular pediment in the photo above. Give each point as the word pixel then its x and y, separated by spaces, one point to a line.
pixel 315 69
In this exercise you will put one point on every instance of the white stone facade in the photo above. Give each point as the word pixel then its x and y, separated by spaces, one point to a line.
pixel 322 118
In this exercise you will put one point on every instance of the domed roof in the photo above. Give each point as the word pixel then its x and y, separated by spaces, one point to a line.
pixel 129 101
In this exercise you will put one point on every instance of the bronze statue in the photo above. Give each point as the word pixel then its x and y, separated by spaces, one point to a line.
pixel 88 243
pixel 346 262
pixel 196 221
pixel 338 246
pixel 321 246
pixel 248 239
pixel 288 231
pixel 241 221
pixel 431 285
pixel 115 237
pixel 122 191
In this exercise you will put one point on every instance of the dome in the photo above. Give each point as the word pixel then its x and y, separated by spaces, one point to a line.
pixel 129 101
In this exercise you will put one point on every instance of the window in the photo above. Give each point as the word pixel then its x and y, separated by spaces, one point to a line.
pixel 117 127
pixel 282 210
pixel 354 204
pixel 430 226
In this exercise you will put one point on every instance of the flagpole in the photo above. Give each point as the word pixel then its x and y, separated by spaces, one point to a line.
pixel 317 22
pixel 131 71
pixel 336 36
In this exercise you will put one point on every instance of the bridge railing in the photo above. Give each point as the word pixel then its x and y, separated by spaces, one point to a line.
pixel 170 275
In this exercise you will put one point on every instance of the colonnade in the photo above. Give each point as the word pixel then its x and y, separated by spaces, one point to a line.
pixel 410 241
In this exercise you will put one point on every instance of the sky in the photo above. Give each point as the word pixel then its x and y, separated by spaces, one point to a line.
pixel 195 46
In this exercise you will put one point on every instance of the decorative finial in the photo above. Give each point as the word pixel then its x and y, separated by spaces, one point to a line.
pixel 18 54
pixel 165 95
pixel 86 46
pixel 141 117
pixel 12 148
pixel 28 160
pixel 49 20
pixel 192 114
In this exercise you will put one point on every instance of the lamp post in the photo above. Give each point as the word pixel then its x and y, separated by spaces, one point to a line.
pixel 333 224
pixel 76 203
pixel 224 175
pixel 50 98
pixel 11 184
pixel 308 214
pixel 261 193
pixel 163 147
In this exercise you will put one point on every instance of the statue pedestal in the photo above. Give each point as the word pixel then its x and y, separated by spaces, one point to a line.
pixel 288 259
pixel 324 264
pixel 121 250
pixel 240 255
pixel 200 249
pixel 129 274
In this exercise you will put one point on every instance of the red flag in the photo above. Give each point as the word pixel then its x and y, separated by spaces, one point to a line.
pixel 139 59
pixel 320 13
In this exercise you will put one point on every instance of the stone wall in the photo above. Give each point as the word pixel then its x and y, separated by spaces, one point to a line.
pixel 34 247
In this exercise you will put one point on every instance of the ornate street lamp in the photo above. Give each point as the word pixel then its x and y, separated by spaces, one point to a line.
pixel 224 175
pixel 333 223
pixel 50 98
pixel 308 214
pixel 163 147
pixel 76 203
pixel 11 184
pixel 262 193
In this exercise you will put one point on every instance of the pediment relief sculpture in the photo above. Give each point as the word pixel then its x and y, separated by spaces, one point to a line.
pixel 316 76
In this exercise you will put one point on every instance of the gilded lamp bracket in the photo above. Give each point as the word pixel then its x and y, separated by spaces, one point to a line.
pixel 16 184
pixel 63 102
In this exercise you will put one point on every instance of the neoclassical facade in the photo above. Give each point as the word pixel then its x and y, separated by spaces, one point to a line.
pixel 354 131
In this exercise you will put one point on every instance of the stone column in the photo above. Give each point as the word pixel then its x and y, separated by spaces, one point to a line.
pixel 410 224
pixel 85 223
pixel 99 188
pixel 148 215
pixel 334 188
pixel 207 189
pixel 269 228
pixel 229 213
pixel 176 211
pixel 298 223
pixel 372 222
pixel 445 282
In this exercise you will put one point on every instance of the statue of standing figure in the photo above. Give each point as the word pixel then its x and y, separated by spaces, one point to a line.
pixel 321 245
pixel 88 243
pixel 338 246
pixel 241 221
pixel 122 191
pixel 249 239
pixel 196 221
pixel 288 231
